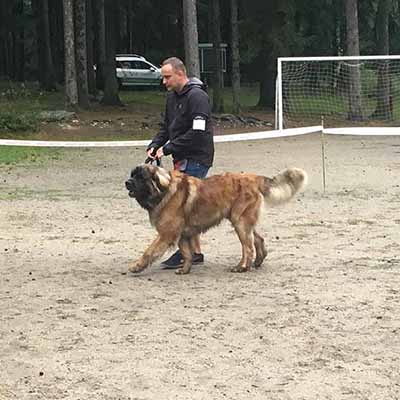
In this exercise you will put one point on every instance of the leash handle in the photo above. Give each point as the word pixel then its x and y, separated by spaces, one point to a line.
pixel 150 160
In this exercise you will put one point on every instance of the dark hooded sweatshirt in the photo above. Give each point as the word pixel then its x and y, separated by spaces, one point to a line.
pixel 187 125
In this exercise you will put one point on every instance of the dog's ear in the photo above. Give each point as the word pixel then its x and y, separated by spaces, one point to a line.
pixel 162 177
pixel 137 173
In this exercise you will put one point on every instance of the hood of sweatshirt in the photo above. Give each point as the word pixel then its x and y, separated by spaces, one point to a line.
pixel 193 82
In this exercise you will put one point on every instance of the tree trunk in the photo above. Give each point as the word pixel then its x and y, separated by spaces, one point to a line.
pixel 277 42
pixel 71 88
pixel 353 49
pixel 384 107
pixel 267 87
pixel 36 11
pixel 117 31
pixel 218 81
pixel 191 38
pixel 89 46
pixel 81 53
pixel 46 72
pixel 19 56
pixel 50 78
pixel 235 56
pixel 49 81
pixel 100 42
pixel 3 41
pixel 129 27
pixel 111 96
pixel 57 38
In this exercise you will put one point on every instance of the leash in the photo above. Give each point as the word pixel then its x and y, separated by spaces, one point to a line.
pixel 151 160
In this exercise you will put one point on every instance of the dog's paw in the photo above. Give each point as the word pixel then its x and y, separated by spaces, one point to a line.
pixel 239 268
pixel 137 267
pixel 182 271
pixel 257 264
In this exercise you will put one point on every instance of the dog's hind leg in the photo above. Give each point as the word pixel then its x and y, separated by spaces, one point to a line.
pixel 261 251
pixel 244 217
pixel 157 248
pixel 186 247
pixel 246 237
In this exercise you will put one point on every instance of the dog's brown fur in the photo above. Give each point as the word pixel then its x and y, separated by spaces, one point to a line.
pixel 181 206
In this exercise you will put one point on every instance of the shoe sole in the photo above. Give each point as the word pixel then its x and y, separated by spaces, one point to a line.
pixel 164 266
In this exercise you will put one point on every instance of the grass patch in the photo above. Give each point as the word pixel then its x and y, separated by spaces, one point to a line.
pixel 143 96
pixel 12 155
pixel 249 96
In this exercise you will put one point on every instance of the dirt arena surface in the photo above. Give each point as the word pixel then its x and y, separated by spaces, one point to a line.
pixel 320 320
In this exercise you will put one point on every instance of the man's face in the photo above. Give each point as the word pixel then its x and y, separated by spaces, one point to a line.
pixel 172 79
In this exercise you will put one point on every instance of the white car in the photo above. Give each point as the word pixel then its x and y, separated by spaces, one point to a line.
pixel 135 70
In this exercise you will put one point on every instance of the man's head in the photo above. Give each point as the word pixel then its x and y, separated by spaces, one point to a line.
pixel 174 75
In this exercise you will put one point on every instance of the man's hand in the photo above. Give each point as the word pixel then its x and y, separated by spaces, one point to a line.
pixel 160 153
pixel 153 155
pixel 150 153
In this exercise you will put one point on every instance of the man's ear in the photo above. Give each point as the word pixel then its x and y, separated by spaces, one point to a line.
pixel 181 73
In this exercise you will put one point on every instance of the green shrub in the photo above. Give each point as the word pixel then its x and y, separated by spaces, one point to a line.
pixel 16 122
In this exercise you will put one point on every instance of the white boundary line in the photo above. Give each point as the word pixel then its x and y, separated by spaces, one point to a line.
pixel 370 131
pixel 142 143
pixel 267 134
pixel 43 143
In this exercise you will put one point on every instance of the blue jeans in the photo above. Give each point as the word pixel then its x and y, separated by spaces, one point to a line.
pixel 196 169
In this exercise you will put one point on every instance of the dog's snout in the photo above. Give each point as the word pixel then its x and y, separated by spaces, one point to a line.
pixel 128 184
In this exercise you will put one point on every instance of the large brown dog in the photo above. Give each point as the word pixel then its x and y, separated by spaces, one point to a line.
pixel 181 206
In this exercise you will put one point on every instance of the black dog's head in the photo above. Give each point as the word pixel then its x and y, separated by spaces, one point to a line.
pixel 148 185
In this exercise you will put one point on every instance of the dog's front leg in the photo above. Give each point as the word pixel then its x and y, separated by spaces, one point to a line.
pixel 155 250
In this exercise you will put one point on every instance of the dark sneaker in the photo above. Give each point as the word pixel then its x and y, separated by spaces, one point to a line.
pixel 176 260
pixel 198 258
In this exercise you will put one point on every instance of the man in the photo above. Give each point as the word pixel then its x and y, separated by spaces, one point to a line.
pixel 186 133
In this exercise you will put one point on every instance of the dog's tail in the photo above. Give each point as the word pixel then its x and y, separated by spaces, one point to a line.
pixel 284 186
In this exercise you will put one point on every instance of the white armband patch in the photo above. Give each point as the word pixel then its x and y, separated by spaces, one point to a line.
pixel 199 124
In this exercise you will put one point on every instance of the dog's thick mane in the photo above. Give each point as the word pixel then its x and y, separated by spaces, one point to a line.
pixel 170 191
pixel 186 187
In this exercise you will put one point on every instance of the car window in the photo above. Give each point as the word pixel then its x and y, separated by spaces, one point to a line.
pixel 142 65
pixel 126 65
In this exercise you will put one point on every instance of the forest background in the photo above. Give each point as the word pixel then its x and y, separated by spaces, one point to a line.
pixel 48 50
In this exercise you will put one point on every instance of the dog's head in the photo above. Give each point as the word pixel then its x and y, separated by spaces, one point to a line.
pixel 148 184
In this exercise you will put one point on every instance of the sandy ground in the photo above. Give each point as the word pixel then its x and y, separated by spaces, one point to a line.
pixel 320 320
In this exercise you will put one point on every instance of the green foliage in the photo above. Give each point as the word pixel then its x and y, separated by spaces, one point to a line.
pixel 28 97
pixel 17 122
pixel 20 105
